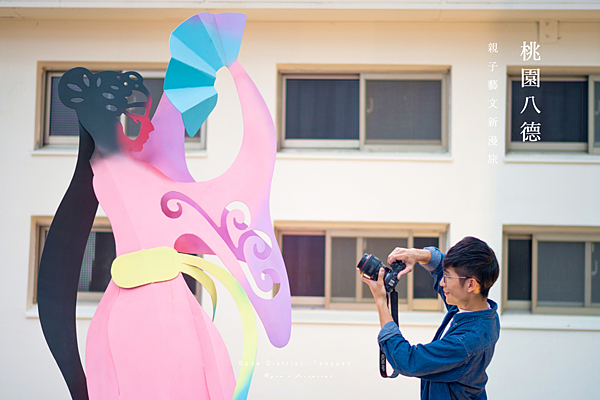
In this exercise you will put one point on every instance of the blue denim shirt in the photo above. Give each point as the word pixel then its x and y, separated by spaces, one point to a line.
pixel 452 367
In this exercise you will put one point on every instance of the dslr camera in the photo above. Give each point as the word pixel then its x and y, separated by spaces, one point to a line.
pixel 369 267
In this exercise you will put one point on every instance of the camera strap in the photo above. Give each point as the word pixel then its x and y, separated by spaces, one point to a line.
pixel 393 299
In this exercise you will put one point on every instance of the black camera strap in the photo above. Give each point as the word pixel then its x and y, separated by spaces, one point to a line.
pixel 391 298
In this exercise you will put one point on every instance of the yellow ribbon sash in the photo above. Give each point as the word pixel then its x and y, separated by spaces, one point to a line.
pixel 163 264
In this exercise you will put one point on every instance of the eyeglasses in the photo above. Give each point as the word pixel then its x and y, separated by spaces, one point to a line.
pixel 444 277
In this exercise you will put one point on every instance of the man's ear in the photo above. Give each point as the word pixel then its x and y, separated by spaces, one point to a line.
pixel 473 287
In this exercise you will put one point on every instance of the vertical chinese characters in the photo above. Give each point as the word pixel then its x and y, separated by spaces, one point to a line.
pixel 492 84
pixel 530 77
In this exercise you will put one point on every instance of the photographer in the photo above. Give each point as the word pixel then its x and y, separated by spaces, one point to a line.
pixel 453 365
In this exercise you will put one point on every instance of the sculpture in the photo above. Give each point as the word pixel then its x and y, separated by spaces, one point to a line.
pixel 149 337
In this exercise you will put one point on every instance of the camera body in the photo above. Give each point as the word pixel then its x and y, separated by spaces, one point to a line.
pixel 369 267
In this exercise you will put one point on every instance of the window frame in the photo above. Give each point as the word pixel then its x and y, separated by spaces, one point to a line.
pixel 314 143
pixel 559 234
pixel 592 80
pixel 362 143
pixel 361 233
pixel 404 145
pixel 541 146
pixel 39 226
pixel 197 143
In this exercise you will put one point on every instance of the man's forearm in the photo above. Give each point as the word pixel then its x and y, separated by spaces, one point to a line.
pixel 385 315
pixel 423 256
pixel 410 257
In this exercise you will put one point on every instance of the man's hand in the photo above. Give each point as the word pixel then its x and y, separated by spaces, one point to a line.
pixel 377 287
pixel 410 258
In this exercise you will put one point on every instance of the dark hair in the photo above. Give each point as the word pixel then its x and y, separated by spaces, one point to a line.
pixel 102 95
pixel 472 257
pixel 99 100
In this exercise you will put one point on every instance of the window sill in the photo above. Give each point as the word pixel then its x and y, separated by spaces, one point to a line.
pixel 322 316
pixel 72 151
pixel 56 151
pixel 301 315
pixel 357 155
pixel 527 321
pixel 84 310
pixel 551 158
pixel 513 320
pixel 196 154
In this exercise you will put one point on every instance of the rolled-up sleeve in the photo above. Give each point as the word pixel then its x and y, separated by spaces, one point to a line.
pixel 437 272
pixel 390 329
pixel 436 259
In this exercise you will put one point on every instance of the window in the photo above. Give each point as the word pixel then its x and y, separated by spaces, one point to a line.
pixel 61 127
pixel 97 260
pixel 365 111
pixel 552 272
pixel 563 113
pixel 321 266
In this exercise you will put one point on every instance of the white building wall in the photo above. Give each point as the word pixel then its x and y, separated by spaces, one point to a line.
pixel 537 357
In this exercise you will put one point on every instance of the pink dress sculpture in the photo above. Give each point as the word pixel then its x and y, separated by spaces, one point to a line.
pixel 151 339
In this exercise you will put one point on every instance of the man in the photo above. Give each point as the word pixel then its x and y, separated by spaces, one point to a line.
pixel 453 365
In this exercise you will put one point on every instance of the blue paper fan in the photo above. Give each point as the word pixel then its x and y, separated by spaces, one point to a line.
pixel 200 46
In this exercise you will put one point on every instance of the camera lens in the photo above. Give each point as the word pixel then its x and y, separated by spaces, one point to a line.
pixel 369 266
